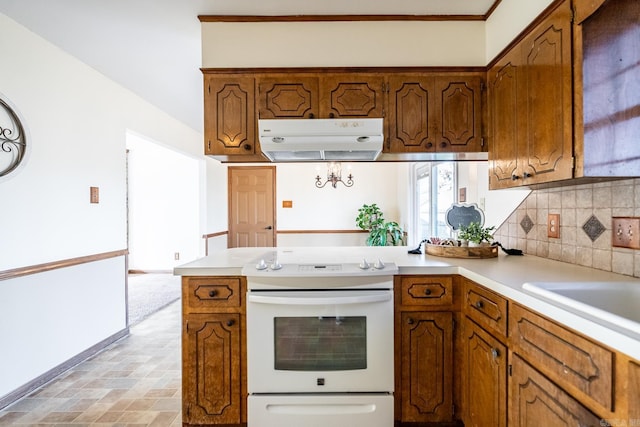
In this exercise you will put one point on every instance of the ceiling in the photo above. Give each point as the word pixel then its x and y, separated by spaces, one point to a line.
pixel 152 47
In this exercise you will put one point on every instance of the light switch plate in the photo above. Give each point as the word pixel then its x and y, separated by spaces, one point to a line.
pixel 94 194
pixel 553 226
pixel 625 232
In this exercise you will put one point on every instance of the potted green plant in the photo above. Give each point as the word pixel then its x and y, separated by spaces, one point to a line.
pixel 381 233
pixel 476 234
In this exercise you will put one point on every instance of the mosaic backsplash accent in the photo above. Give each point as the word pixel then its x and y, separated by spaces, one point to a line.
pixel 585 225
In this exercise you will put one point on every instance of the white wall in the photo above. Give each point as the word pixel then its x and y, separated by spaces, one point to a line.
pixel 507 21
pixel 355 43
pixel 331 208
pixel 77 120
pixel 497 205
pixel 366 43
pixel 47 319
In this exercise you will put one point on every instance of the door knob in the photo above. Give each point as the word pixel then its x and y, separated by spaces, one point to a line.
pixel 268 227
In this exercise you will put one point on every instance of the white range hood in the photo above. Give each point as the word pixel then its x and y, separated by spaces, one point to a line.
pixel 299 140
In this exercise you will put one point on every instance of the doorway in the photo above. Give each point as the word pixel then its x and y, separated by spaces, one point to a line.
pixel 163 222
pixel 252 209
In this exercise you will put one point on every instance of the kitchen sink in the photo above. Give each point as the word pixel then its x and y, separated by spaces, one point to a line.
pixel 617 304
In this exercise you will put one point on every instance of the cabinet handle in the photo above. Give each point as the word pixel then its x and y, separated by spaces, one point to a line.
pixel 443 144
pixel 247 147
pixel 427 291
pixel 495 353
pixel 514 177
pixel 212 294
pixel 410 321
pixel 479 304
pixel 230 322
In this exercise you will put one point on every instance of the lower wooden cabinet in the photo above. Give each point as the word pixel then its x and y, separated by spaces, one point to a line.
pixel 536 401
pixel 211 369
pixel 214 386
pixel 426 366
pixel 484 378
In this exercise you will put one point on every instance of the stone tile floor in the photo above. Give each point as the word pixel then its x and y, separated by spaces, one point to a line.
pixel 134 382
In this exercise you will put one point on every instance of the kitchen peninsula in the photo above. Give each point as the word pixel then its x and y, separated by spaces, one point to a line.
pixel 501 339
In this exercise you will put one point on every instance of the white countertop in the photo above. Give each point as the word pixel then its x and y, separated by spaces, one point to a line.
pixel 504 275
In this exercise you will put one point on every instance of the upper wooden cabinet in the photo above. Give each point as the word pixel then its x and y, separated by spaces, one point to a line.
pixel 435 113
pixel 424 111
pixel 530 107
pixel 412 114
pixel 352 95
pixel 327 95
pixel 288 97
pixel 229 115
pixel 562 102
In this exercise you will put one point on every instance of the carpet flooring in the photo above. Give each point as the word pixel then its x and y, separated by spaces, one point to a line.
pixel 149 293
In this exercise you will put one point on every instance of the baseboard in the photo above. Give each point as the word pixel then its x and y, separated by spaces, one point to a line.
pixel 60 369
pixel 150 271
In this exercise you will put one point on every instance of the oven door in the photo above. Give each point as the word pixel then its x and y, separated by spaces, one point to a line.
pixel 320 341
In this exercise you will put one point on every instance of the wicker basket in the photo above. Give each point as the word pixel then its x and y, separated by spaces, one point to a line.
pixel 462 251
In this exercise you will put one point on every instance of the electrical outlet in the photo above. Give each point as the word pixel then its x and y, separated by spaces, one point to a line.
pixel 625 232
pixel 553 226
pixel 176 256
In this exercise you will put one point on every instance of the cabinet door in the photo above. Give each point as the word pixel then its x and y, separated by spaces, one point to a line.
pixel 211 369
pixel 288 97
pixel 352 95
pixel 503 104
pixel 547 91
pixel 485 374
pixel 536 401
pixel 459 111
pixel 411 114
pixel 229 115
pixel 633 391
pixel 426 366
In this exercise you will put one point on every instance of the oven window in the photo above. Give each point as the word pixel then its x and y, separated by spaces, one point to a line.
pixel 320 343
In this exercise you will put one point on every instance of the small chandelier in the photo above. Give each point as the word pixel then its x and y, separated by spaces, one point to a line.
pixel 334 176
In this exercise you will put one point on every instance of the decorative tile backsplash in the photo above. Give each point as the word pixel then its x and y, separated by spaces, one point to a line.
pixel 585 225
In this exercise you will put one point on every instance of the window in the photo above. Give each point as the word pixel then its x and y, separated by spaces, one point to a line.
pixel 435 191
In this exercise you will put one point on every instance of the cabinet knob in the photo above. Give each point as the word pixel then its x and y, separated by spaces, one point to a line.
pixel 410 321
pixel 495 353
pixel 212 294
pixel 427 291
pixel 479 304
pixel 429 144
pixel 528 175
pixel 331 115
pixel 312 116
pixel 443 144
pixel 515 177
pixel 230 322
pixel 247 147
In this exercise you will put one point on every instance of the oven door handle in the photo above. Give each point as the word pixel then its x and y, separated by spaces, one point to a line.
pixel 333 300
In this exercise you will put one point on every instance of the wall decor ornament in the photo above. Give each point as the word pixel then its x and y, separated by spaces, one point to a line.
pixel 13 141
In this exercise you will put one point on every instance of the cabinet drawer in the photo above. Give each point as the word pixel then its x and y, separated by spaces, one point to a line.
pixel 211 292
pixel 426 290
pixel 485 307
pixel 580 366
